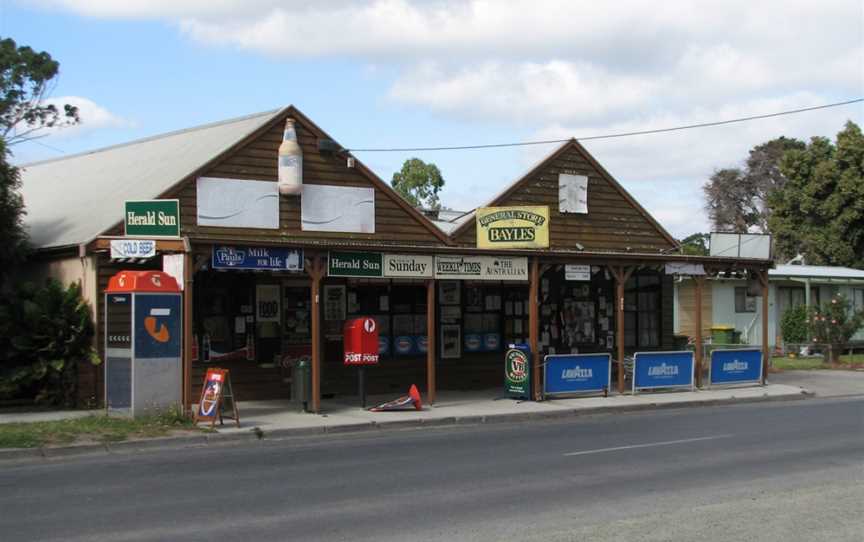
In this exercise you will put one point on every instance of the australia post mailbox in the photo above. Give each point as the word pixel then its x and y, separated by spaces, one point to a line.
pixel 361 341
pixel 143 339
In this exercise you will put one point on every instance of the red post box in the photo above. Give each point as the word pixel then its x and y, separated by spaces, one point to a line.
pixel 361 341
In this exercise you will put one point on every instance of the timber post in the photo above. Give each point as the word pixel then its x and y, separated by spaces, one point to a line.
pixel 763 281
pixel 697 345
pixel 315 269
pixel 534 325
pixel 188 335
pixel 622 275
pixel 430 341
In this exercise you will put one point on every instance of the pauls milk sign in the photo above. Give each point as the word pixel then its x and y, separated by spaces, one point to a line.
pixel 513 227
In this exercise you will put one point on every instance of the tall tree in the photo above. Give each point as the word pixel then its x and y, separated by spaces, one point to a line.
pixel 25 79
pixel 419 183
pixel 696 244
pixel 820 210
pixel 737 199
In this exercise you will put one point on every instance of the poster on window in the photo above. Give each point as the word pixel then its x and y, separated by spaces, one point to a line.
pixel 449 292
pixel 267 303
pixel 451 341
pixel 334 302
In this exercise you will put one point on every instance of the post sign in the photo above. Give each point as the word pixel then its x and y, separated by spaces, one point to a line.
pixel 577 373
pixel 653 370
pixel 577 272
pixel 513 227
pixel 354 264
pixel 257 258
pixel 517 371
pixel 735 366
pixel 152 218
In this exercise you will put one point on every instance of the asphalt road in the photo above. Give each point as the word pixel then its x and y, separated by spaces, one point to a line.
pixel 772 471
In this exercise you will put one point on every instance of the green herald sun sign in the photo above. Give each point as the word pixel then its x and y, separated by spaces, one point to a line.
pixel 152 218
pixel 355 264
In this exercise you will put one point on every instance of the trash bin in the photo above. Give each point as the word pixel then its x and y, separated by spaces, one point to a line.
pixel 302 384
pixel 722 334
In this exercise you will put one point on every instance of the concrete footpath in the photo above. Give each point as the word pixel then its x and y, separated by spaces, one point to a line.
pixel 282 419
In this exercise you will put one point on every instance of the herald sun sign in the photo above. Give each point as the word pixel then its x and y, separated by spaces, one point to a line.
pixel 361 341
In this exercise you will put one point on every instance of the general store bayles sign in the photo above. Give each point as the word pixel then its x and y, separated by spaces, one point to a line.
pixel 513 227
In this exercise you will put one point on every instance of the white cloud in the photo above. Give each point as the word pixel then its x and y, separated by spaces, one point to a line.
pixel 92 117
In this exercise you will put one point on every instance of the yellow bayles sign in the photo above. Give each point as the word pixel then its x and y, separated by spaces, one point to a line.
pixel 513 227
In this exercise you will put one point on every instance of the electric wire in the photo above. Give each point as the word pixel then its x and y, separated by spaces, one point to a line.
pixel 608 136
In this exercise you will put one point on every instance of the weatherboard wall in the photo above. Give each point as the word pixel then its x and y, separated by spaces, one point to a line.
pixel 614 221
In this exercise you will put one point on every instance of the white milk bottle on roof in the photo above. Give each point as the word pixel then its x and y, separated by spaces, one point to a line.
pixel 290 162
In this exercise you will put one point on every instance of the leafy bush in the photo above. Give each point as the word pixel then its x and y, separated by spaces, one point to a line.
pixel 793 324
pixel 45 332
pixel 834 324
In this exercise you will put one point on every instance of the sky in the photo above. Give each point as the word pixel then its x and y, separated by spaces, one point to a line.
pixel 401 73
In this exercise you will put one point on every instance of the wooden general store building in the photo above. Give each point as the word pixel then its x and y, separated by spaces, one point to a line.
pixel 446 304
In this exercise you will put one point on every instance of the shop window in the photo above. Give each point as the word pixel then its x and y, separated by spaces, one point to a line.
pixel 858 299
pixel 642 312
pixel 744 302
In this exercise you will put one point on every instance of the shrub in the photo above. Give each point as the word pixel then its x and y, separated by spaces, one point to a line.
pixel 834 324
pixel 793 324
pixel 45 332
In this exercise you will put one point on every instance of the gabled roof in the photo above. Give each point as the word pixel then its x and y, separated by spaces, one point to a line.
pixel 815 272
pixel 72 199
pixel 574 145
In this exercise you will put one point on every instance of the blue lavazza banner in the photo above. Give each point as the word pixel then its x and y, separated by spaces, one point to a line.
pixel 662 370
pixel 577 373
pixel 261 258
pixel 736 366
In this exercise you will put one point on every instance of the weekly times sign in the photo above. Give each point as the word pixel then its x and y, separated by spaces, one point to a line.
pixel 513 227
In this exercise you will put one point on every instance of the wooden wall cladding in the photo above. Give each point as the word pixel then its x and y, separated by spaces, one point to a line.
pixel 257 161
pixel 612 223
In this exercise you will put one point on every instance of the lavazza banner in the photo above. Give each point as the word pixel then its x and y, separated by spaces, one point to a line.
pixel 735 366
pixel 577 373
pixel 662 370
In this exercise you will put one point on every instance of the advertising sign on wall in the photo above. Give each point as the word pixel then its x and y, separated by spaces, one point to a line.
pixel 408 265
pixel 235 203
pixel 260 258
pixel 662 370
pixel 577 272
pixel 577 373
pixel 152 218
pixel 481 267
pixel 735 366
pixel 513 227
pixel 354 264
pixel 347 209
pixel 132 248
pixel 267 303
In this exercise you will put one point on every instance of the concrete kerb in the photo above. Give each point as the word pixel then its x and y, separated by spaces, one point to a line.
pixel 218 439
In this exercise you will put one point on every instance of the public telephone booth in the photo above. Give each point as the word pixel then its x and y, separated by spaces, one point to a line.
pixel 143 344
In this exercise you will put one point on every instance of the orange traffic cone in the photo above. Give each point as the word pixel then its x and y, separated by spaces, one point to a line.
pixel 406 402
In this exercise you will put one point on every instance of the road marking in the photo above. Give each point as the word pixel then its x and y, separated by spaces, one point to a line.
pixel 647 445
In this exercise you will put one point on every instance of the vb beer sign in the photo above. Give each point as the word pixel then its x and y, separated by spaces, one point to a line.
pixel 152 218
pixel 517 371
pixel 513 227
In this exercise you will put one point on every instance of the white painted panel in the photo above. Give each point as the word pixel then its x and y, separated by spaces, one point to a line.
pixel 346 209
pixel 234 203
pixel 572 193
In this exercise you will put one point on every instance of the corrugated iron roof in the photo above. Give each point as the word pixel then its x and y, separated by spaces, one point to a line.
pixel 816 272
pixel 72 199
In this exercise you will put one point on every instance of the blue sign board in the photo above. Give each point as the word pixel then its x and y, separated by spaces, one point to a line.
pixel 662 370
pixel 263 258
pixel 473 342
pixel 158 326
pixel 491 342
pixel 577 373
pixel 403 345
pixel 736 366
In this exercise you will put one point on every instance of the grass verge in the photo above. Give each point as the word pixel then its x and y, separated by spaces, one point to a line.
pixel 91 429
pixel 817 362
